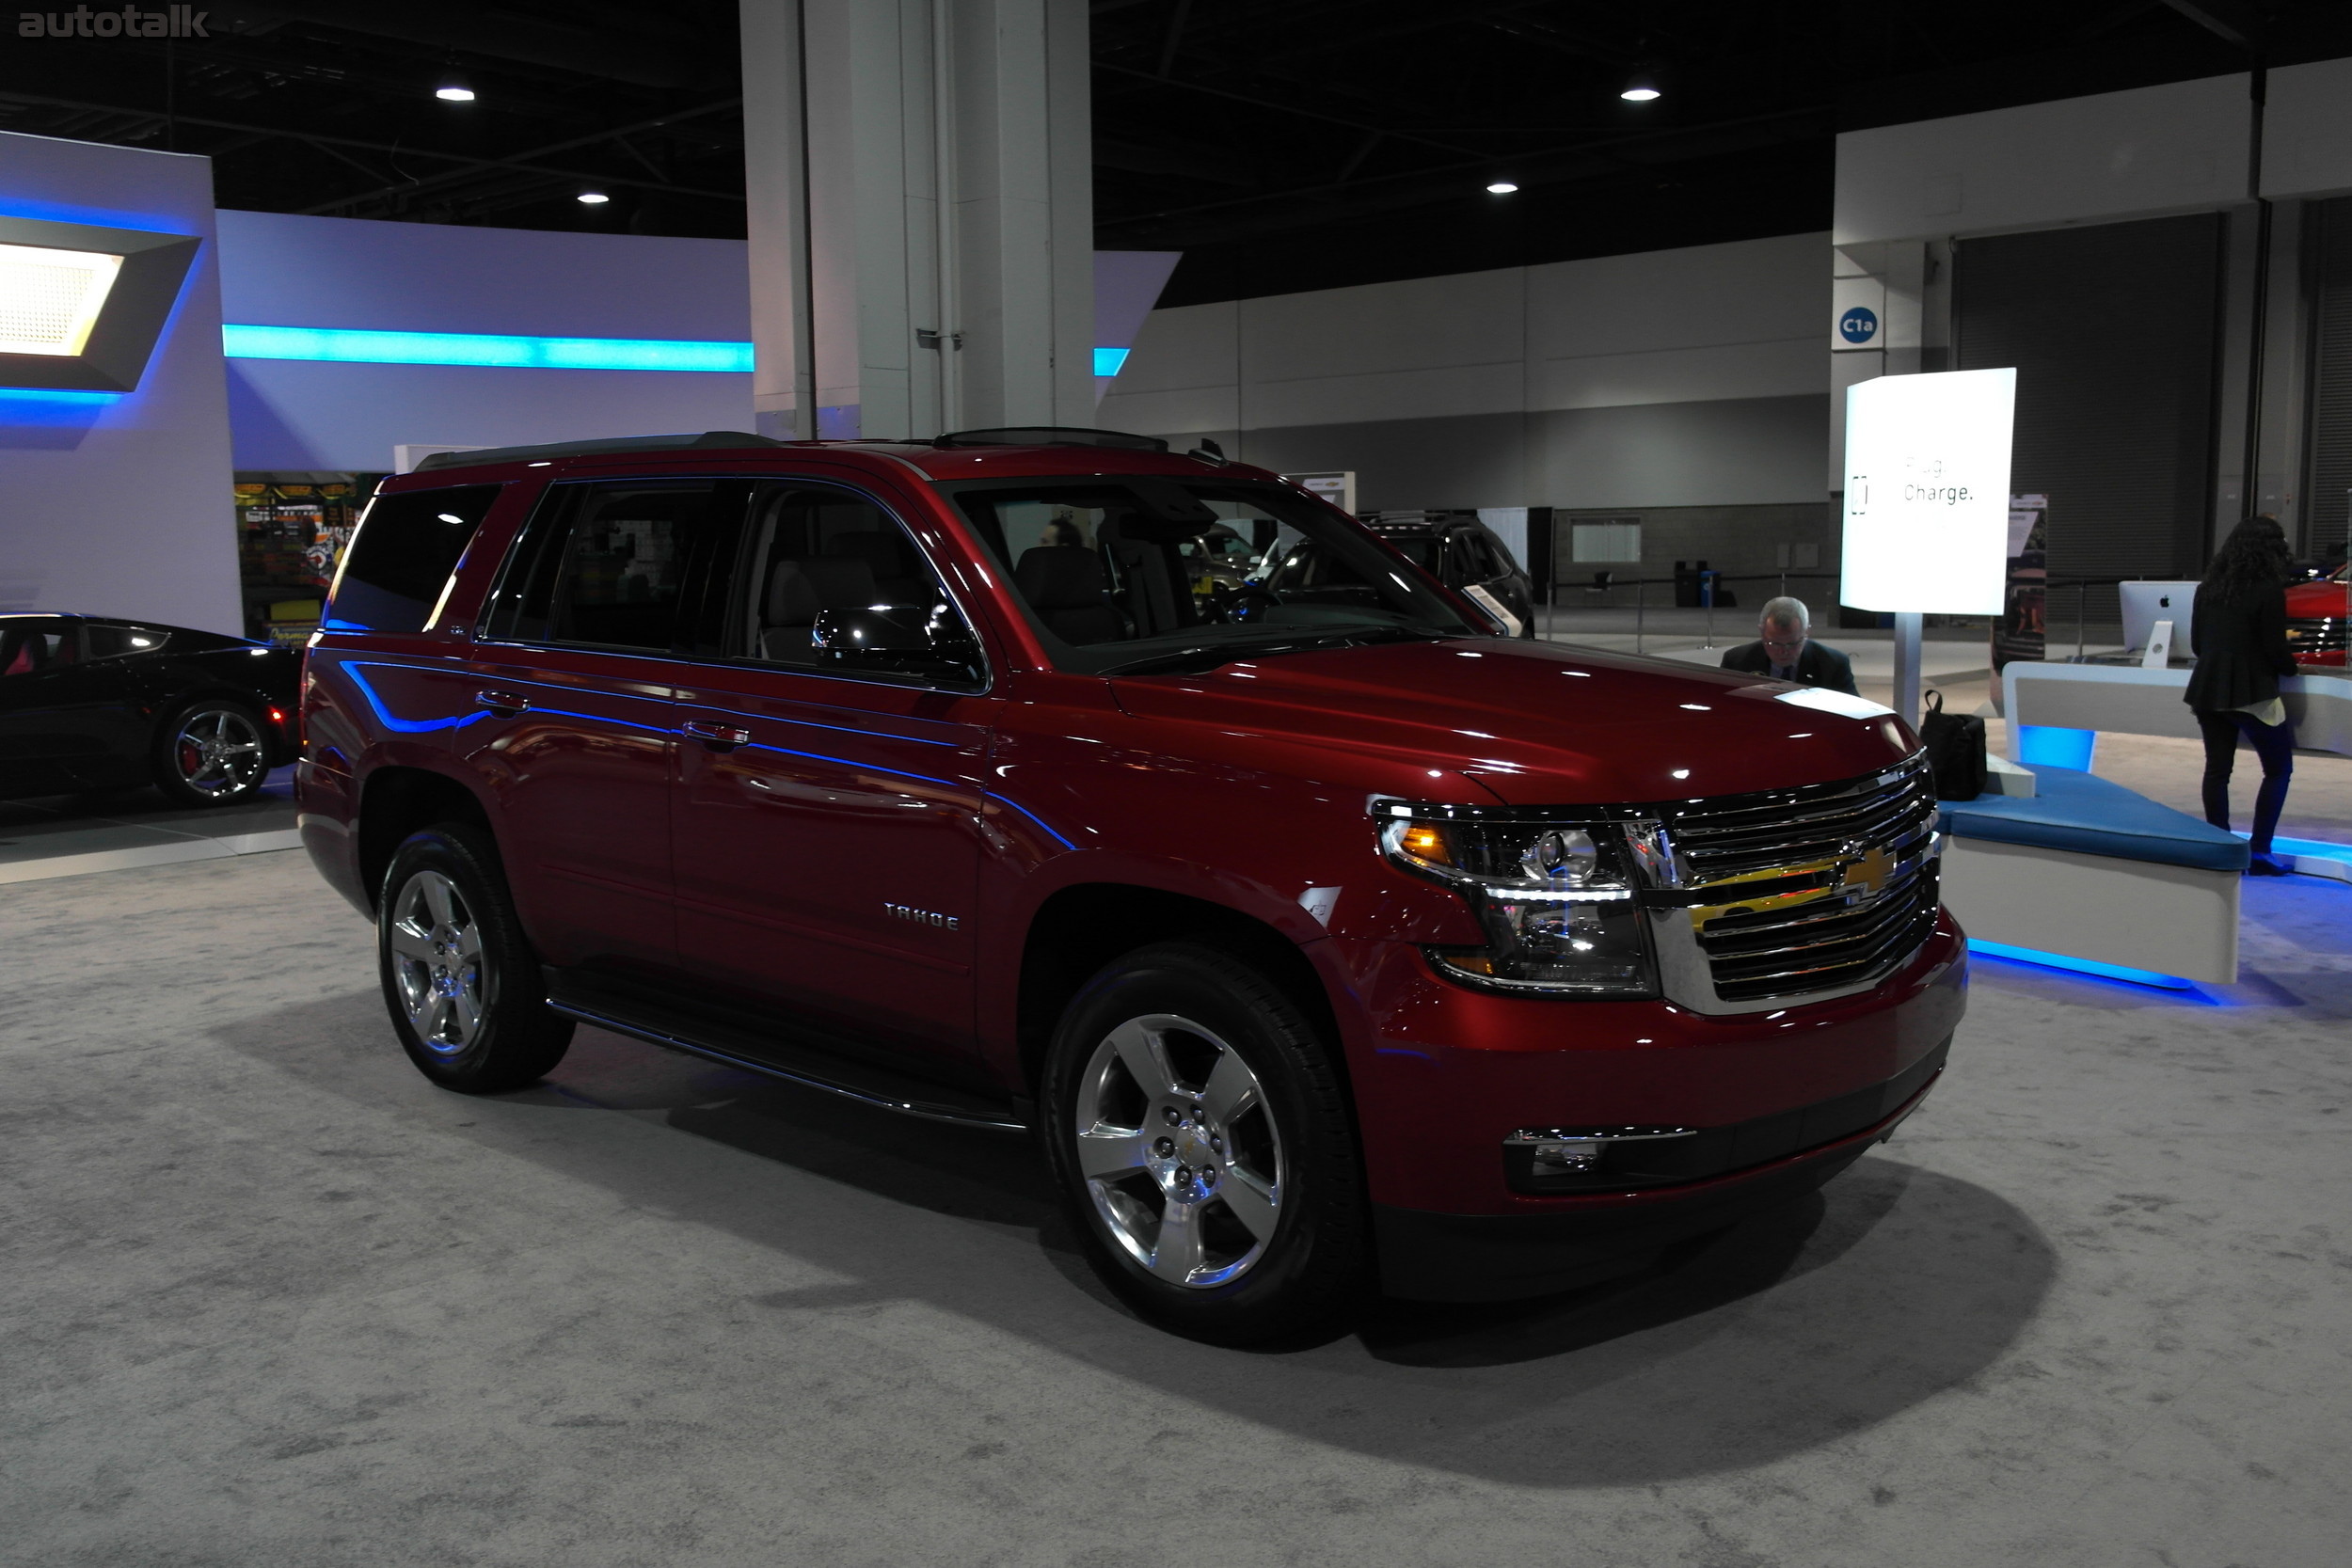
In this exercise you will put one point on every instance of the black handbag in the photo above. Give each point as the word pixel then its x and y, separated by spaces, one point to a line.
pixel 1954 746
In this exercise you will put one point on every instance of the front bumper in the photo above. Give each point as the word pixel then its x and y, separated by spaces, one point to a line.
pixel 1437 1257
pixel 1443 1074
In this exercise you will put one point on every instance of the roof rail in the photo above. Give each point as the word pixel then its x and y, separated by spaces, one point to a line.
pixel 1049 436
pixel 592 448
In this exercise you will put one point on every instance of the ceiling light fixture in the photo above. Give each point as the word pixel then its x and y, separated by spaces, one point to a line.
pixel 454 88
pixel 50 299
pixel 82 306
pixel 1642 90
pixel 594 198
pixel 1501 188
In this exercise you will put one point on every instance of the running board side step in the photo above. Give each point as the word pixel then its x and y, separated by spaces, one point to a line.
pixel 878 1087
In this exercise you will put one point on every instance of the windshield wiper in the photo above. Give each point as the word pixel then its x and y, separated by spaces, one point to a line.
pixel 1211 656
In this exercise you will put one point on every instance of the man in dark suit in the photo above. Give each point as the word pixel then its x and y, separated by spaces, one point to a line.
pixel 1784 651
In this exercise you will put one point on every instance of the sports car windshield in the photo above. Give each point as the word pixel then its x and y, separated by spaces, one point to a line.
pixel 1153 575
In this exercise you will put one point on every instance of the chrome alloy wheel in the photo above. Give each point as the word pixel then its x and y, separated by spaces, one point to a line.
pixel 1179 1150
pixel 436 962
pixel 218 753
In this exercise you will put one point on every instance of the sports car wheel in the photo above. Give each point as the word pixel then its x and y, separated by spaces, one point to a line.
pixel 210 753
pixel 461 984
pixel 1202 1139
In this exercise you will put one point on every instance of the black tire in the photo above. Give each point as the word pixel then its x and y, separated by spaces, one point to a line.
pixel 1252 1271
pixel 212 752
pixel 461 983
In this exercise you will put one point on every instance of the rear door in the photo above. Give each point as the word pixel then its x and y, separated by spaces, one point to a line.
pixel 827 815
pixel 575 743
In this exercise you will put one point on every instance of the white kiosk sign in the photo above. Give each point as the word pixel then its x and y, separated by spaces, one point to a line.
pixel 1927 492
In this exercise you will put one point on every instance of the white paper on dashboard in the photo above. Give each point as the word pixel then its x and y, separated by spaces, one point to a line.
pixel 1821 697
pixel 1493 606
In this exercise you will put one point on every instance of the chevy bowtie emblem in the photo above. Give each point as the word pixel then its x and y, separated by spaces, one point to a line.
pixel 1869 873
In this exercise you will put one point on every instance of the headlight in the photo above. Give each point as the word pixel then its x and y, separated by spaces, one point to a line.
pixel 1556 898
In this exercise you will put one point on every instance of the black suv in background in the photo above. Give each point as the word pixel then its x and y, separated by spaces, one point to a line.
pixel 1463 554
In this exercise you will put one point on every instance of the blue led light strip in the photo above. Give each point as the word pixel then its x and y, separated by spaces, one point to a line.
pixel 2082 966
pixel 351 346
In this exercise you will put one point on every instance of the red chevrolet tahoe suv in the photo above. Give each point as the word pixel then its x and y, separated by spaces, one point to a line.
pixel 2319 618
pixel 1326 940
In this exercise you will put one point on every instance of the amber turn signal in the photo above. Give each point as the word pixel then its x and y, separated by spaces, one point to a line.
pixel 1425 843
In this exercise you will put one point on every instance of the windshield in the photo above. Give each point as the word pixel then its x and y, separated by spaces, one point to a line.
pixel 1131 576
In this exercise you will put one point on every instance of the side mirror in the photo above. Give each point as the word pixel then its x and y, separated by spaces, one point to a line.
pixel 896 638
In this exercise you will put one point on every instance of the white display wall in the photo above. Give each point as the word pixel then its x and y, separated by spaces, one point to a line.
pixel 285 270
pixel 118 504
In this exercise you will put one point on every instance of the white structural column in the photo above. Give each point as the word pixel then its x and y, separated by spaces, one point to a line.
pixel 920 213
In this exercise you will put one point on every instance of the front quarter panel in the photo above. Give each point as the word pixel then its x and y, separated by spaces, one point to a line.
pixel 1081 793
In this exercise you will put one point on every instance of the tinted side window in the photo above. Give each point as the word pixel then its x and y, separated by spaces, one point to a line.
pixel 29 643
pixel 604 566
pixel 400 561
pixel 1476 564
pixel 117 642
pixel 808 549
pixel 1499 553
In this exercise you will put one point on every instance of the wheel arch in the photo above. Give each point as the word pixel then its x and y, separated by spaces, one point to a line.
pixel 396 800
pixel 1080 928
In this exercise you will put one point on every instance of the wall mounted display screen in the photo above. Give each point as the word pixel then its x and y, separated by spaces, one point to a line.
pixel 1927 492
pixel 82 305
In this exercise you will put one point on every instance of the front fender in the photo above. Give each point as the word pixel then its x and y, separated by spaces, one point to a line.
pixel 1103 799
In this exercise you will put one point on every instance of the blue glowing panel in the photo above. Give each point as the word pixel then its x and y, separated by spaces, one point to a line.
pixel 46 405
pixel 2315 847
pixel 2081 966
pixel 2056 748
pixel 54 211
pixel 352 346
pixel 1108 361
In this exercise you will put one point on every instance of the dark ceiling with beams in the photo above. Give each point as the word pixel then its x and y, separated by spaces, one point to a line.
pixel 1280 144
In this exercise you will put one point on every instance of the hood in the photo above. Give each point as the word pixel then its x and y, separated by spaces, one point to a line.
pixel 2328 599
pixel 1540 723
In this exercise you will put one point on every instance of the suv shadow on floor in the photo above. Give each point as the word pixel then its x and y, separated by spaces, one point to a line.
pixel 1796 1329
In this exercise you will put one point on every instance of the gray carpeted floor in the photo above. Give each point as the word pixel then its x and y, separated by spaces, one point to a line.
pixel 268 1298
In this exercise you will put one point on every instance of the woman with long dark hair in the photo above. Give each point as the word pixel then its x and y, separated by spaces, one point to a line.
pixel 2238 632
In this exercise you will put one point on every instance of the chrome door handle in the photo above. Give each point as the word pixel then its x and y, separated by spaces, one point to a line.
pixel 504 704
pixel 719 737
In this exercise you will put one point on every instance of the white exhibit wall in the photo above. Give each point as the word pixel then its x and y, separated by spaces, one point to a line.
pixel 1127 283
pixel 1670 378
pixel 1906 194
pixel 283 270
pixel 119 504
pixel 2306 130
pixel 2179 147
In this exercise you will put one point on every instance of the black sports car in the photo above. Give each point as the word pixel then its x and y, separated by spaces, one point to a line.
pixel 89 702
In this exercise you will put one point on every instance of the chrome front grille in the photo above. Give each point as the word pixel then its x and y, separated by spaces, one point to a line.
pixel 1795 894
pixel 2318 634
